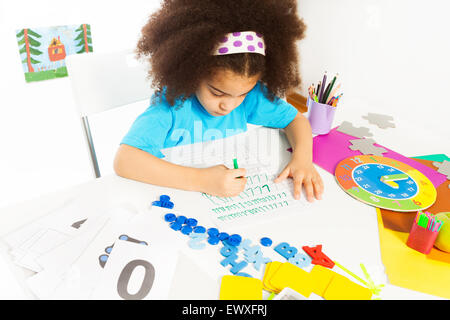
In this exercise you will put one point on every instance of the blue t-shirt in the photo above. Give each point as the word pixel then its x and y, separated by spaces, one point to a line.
pixel 163 126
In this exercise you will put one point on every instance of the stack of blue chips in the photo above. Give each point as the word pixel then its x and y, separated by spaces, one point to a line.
pixel 164 202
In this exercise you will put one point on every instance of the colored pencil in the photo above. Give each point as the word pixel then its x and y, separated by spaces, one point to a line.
pixel 311 91
pixel 332 94
pixel 322 87
pixel 338 98
pixel 318 89
pixel 327 92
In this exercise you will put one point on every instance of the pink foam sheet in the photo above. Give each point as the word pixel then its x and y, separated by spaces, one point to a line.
pixel 330 149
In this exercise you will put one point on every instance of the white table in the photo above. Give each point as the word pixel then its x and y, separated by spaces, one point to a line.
pixel 346 228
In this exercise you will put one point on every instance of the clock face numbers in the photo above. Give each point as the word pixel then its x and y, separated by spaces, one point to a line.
pixel 385 183
pixel 370 178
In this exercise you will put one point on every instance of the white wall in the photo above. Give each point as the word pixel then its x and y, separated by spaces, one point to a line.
pixel 392 57
pixel 42 147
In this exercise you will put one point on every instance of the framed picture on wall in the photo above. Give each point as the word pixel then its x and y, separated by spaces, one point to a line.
pixel 43 50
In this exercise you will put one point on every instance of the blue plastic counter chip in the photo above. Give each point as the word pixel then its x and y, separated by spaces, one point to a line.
pixel 181 219
pixel 166 204
pixel 163 202
pixel 175 226
pixel 170 217
pixel 199 229
pixel 223 236
pixel 191 222
pixel 164 197
pixel 213 232
pixel 266 242
pixel 213 240
pixel 234 240
pixel 186 230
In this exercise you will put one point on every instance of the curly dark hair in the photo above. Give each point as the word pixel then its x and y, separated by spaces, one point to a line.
pixel 180 37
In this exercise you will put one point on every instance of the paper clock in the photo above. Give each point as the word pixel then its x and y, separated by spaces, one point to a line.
pixel 385 183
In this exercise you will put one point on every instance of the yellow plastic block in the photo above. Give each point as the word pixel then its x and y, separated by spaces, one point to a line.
pixel 320 278
pixel 289 275
pixel 342 288
pixel 240 288
pixel 271 268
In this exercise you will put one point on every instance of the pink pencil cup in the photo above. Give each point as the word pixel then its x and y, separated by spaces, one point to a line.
pixel 421 239
pixel 320 116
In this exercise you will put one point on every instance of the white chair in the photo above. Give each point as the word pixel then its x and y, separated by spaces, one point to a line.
pixel 103 81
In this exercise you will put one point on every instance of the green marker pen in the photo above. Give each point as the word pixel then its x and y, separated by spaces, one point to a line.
pixel 235 164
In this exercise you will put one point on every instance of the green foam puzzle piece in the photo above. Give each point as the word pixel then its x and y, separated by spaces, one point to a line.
pixel 434 157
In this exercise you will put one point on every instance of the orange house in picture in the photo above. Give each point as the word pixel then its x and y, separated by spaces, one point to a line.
pixel 56 50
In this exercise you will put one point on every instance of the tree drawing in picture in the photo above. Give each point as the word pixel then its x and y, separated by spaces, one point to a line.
pixel 84 38
pixel 45 59
pixel 26 39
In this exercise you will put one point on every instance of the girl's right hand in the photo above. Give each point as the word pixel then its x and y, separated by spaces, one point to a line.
pixel 223 182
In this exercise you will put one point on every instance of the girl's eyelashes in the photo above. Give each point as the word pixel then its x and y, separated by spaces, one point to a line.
pixel 217 95
pixel 221 94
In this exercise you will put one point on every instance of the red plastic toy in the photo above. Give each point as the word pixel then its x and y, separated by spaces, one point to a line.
pixel 318 257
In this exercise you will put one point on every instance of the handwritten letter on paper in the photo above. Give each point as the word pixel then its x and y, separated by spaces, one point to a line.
pixel 261 196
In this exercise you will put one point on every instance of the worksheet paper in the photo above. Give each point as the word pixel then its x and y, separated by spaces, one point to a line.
pixel 260 152
pixel 73 270
pixel 48 232
pixel 56 262
pixel 83 276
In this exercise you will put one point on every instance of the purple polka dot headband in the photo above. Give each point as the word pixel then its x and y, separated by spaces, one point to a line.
pixel 241 42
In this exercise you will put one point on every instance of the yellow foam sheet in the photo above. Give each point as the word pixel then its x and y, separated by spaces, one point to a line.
pixel 289 275
pixel 342 288
pixel 320 279
pixel 271 268
pixel 240 288
pixel 408 268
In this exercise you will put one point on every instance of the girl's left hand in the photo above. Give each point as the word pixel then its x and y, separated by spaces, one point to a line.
pixel 303 173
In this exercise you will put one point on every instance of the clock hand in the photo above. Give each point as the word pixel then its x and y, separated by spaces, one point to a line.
pixel 394 177
pixel 391 178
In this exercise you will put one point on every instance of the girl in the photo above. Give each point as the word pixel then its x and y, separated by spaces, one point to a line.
pixel 218 64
